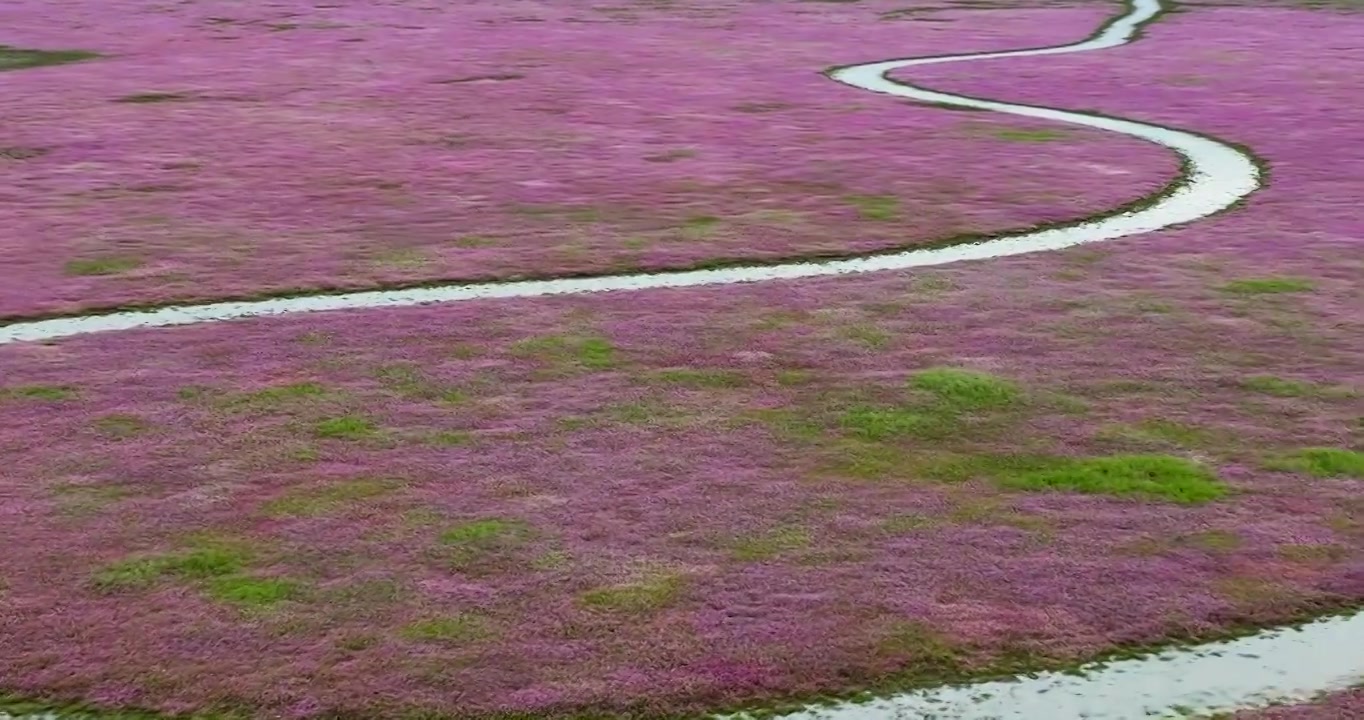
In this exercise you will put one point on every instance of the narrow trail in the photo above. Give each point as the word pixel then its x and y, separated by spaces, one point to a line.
pixel 1215 177
pixel 1283 664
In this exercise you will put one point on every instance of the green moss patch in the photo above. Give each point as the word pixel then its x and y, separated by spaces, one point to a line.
pixel 581 352
pixel 478 545
pixel 769 545
pixel 884 423
pixel 643 596
pixel 120 427
pixel 277 398
pixel 1156 433
pixel 966 390
pixel 877 208
pixel 1030 136
pixel 200 563
pixel 13 58
pixel 1268 286
pixel 1287 388
pixel 346 427
pixel 218 567
pixel 1154 477
pixel 110 265
pixel 447 629
pixel 254 592
pixel 410 381
pixel 328 499
pixel 1322 462
pixel 37 393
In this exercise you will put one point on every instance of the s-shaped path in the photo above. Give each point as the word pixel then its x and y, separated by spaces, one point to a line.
pixel 1215 176
pixel 1274 665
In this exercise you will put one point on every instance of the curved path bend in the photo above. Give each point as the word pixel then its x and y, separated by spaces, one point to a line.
pixel 1275 665
pixel 1215 177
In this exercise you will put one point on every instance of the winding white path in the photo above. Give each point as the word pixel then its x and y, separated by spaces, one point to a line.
pixel 1272 666
pixel 1217 176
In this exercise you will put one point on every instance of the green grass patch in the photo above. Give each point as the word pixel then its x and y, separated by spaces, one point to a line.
pixel 954 393
pixel 367 593
pixel 109 265
pixel 583 352
pixel 1153 477
pixel 447 629
pixel 410 381
pixel 275 398
pixel 966 390
pixel 38 393
pixel 1314 554
pixel 879 208
pixel 485 532
pixel 13 58
pixel 1252 592
pixel 905 523
pixel 552 560
pixel 1286 388
pixel 1322 462
pixel 1156 433
pixel 449 438
pixel 253 592
pixel 870 337
pixel 697 227
pixel 1215 541
pixel 357 642
pixel 312 502
pixel 473 545
pixel 129 574
pixel 206 562
pixel 401 258
pixel 1268 286
pixel 769 545
pixel 1029 136
pixel 1209 541
pixel 346 427
pixel 930 653
pixel 120 427
pixel 643 596
pixel 87 499
pixel 474 241
pixel 210 560
pixel 867 461
pixel 216 566
pixel 314 337
pixel 884 423
pixel 648 412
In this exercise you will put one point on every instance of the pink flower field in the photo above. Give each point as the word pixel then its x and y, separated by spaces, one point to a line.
pixel 217 149
pixel 676 502
pixel 1348 704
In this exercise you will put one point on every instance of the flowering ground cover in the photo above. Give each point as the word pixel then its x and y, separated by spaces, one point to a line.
pixel 597 504
pixel 660 504
pixel 1337 706
pixel 217 149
